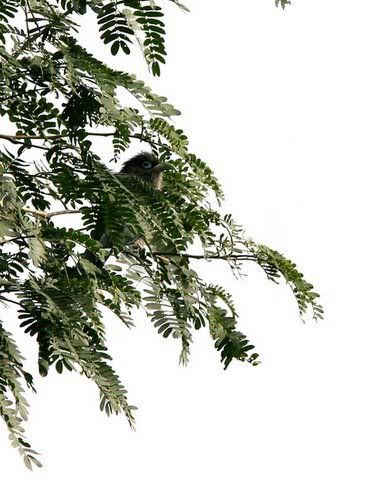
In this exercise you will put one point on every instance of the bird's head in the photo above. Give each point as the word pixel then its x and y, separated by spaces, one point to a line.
pixel 145 166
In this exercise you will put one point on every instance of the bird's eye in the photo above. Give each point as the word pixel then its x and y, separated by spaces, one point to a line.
pixel 147 164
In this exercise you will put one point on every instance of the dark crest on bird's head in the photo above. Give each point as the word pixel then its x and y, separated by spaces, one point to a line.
pixel 146 166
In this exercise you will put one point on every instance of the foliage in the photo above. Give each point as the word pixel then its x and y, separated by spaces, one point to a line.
pixel 283 3
pixel 58 97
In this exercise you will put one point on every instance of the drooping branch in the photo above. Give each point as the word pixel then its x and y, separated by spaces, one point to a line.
pixel 241 257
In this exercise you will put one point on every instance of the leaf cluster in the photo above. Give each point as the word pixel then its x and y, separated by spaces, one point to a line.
pixel 59 98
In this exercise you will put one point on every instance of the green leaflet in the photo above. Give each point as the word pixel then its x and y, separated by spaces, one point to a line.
pixel 13 405
pixel 282 3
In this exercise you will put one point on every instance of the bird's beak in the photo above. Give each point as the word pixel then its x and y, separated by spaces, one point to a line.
pixel 160 167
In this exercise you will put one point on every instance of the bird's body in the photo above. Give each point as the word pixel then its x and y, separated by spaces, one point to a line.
pixel 143 166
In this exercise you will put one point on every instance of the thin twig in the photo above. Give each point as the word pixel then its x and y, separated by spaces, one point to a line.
pixel 13 239
pixel 206 257
pixel 53 137
pixel 4 299
pixel 37 27
pixel 48 215
pixel 7 219
pixel 13 138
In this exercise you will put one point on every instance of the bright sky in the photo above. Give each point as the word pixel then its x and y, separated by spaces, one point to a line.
pixel 282 105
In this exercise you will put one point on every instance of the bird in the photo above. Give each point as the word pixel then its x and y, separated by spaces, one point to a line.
pixel 144 166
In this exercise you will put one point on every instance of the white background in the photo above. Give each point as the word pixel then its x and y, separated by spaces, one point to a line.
pixel 282 105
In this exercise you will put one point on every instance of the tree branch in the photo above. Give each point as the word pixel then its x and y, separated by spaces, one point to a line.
pixel 240 257
pixel 13 239
pixel 14 138
pixel 48 215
